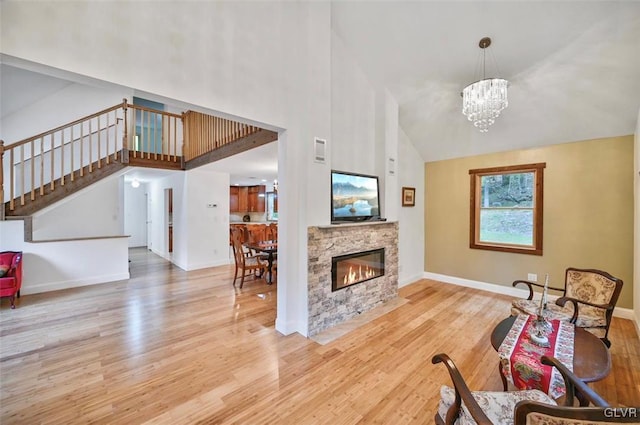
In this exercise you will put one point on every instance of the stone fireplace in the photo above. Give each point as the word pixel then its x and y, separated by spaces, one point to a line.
pixel 357 246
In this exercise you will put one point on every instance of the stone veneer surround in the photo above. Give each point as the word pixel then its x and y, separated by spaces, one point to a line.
pixel 327 308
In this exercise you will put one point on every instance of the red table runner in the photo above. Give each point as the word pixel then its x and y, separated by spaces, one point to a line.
pixel 520 356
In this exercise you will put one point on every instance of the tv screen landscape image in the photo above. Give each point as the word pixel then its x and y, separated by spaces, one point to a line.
pixel 354 197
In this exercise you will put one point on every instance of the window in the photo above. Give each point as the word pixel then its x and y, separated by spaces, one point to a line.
pixel 506 208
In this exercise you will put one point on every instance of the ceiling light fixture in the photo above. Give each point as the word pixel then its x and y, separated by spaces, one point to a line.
pixel 135 183
pixel 483 100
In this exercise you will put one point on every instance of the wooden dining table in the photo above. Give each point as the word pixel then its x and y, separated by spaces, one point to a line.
pixel 270 248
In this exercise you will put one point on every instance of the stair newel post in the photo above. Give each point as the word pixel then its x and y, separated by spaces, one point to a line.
pixel 125 134
pixel 2 178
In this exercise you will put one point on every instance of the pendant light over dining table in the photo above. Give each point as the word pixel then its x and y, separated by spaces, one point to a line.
pixel 483 100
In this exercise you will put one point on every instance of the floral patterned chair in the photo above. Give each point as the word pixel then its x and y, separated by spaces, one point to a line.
pixel 461 406
pixel 591 296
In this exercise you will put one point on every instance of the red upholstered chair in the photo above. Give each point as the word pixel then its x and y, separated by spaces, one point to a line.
pixel 11 280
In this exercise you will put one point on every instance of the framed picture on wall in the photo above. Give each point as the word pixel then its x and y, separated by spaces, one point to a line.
pixel 408 196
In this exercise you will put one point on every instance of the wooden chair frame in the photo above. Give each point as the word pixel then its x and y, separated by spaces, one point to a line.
pixel 522 408
pixel 564 299
pixel 245 263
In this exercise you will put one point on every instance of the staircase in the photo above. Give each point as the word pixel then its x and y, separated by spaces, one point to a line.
pixel 43 169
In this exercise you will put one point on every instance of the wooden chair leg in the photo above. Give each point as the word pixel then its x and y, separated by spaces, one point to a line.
pixel 12 301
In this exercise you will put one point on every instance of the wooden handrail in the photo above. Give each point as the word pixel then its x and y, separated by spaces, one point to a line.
pixel 144 108
pixel 63 127
pixel 32 174
pixel 67 143
pixel 85 145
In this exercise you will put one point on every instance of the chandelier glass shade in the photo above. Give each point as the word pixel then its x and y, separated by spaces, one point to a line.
pixel 483 100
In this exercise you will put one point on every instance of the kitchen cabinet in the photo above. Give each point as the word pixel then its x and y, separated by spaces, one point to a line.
pixel 256 198
pixel 246 199
pixel 233 198
pixel 243 198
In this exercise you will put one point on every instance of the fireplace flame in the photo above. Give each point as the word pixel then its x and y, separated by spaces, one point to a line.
pixel 356 275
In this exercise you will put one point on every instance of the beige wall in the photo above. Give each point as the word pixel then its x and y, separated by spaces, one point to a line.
pixel 588 215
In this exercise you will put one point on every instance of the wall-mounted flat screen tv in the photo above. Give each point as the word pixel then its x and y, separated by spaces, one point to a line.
pixel 354 197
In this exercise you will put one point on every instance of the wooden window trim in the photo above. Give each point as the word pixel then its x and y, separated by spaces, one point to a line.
pixel 474 224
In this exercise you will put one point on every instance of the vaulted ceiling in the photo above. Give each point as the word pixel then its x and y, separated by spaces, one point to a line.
pixel 573 66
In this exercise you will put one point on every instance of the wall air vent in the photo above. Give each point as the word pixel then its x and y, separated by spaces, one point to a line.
pixel 319 150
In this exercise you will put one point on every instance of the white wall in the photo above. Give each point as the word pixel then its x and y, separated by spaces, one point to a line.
pixel 207 228
pixel 389 151
pixel 49 266
pixel 411 219
pixel 353 114
pixel 200 232
pixel 135 214
pixel 73 102
pixel 93 211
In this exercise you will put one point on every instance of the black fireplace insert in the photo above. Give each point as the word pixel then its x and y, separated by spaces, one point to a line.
pixel 351 269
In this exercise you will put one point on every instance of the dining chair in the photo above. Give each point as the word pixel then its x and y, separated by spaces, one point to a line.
pixel 588 299
pixel 247 265
pixel 257 233
pixel 272 232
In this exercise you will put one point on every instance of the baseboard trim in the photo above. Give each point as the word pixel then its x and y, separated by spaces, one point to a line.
pixel 409 280
pixel 475 284
pixel 287 328
pixel 56 286
pixel 217 263
pixel 190 267
pixel 623 313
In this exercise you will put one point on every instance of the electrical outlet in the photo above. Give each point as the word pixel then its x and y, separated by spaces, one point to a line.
pixel 532 277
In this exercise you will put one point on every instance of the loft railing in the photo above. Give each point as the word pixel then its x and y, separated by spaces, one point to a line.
pixel 206 133
pixel 57 157
pixel 49 160
pixel 153 134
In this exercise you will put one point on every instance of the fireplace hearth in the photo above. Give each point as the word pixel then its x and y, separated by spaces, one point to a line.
pixel 351 269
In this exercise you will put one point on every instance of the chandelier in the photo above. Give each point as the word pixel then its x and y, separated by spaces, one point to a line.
pixel 483 100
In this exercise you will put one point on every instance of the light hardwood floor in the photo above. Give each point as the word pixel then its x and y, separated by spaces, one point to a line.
pixel 175 347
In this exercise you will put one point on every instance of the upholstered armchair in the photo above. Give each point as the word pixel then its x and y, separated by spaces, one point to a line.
pixel 10 275
pixel 588 299
pixel 459 405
